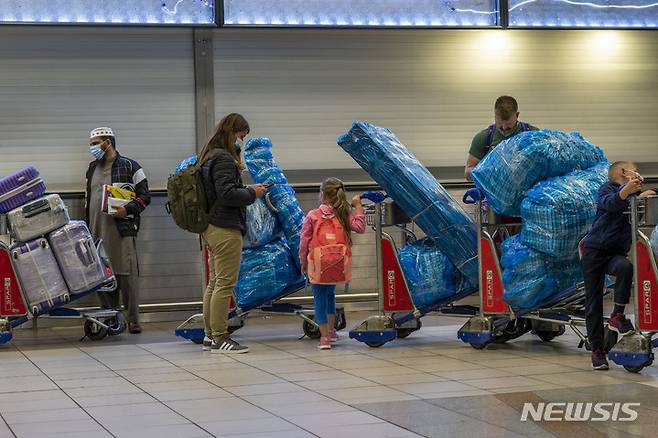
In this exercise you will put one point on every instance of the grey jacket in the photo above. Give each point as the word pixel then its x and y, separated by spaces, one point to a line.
pixel 228 197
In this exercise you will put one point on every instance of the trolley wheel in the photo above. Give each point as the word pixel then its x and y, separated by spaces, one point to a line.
pixel 548 336
pixel 341 320
pixel 117 324
pixel 375 344
pixel 610 339
pixel 94 331
pixel 310 330
pixel 479 346
pixel 404 332
pixel 633 368
pixel 197 341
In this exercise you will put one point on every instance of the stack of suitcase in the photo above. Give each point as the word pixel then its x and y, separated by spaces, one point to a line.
pixel 55 259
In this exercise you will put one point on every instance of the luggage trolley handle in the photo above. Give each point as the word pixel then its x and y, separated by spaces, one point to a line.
pixel 36 208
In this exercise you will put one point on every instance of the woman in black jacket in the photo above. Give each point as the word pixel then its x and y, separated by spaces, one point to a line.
pixel 228 199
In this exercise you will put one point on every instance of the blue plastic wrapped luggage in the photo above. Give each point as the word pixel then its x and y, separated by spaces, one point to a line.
pixel 262 225
pixel 531 277
pixel 265 272
pixel 430 275
pixel 264 170
pixel 416 191
pixel 558 212
pixel 514 166
pixel 189 161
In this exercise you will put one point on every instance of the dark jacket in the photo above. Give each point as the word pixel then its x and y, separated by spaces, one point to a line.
pixel 228 197
pixel 129 173
pixel 611 229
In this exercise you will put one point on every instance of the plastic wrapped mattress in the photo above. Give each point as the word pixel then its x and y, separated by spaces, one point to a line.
pixel 530 277
pixel 514 166
pixel 416 191
pixel 262 225
pixel 431 276
pixel 265 272
pixel 558 212
pixel 189 161
pixel 264 170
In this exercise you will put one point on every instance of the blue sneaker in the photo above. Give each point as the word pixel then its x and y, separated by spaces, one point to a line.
pixel 620 324
pixel 599 360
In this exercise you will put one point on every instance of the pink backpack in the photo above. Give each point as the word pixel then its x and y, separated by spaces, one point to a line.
pixel 330 255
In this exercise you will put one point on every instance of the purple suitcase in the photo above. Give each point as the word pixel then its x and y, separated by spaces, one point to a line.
pixel 77 257
pixel 20 188
pixel 38 273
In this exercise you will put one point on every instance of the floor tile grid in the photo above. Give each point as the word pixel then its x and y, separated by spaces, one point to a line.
pixel 395 389
pixel 6 426
pixel 61 390
pixel 236 395
pixel 118 375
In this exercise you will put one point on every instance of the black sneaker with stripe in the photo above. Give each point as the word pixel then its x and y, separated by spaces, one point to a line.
pixel 227 345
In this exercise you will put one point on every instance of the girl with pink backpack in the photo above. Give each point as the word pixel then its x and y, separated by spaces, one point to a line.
pixel 325 251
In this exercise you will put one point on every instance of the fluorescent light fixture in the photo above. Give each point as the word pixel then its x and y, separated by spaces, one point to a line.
pixel 88 12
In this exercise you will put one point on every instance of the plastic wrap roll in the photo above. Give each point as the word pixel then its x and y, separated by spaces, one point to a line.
pixel 262 225
pixel 416 191
pixel 430 275
pixel 558 212
pixel 264 170
pixel 189 161
pixel 514 166
pixel 265 272
pixel 531 277
pixel 654 240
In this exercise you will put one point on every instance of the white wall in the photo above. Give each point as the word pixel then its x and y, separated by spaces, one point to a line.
pixel 436 88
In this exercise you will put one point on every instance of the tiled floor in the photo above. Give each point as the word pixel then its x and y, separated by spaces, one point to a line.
pixel 155 385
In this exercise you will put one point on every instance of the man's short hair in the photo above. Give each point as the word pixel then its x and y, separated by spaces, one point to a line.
pixel 506 107
pixel 616 166
pixel 112 140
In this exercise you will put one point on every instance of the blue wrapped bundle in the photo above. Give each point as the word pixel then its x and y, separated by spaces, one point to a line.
pixel 531 277
pixel 558 212
pixel 264 170
pixel 265 272
pixel 416 191
pixel 430 275
pixel 262 225
pixel 189 161
pixel 507 172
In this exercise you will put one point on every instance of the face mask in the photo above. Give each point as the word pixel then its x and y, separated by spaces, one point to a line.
pixel 97 153
pixel 239 144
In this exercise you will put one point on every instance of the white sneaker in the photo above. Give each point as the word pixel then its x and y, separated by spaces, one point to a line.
pixel 207 343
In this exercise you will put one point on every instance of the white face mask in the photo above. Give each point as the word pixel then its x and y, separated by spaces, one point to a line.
pixel 239 145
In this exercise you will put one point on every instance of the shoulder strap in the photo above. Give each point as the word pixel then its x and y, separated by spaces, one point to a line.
pixel 525 126
pixel 488 139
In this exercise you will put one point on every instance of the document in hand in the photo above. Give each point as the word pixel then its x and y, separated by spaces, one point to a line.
pixel 114 197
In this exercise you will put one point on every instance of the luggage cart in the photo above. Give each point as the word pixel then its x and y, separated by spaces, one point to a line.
pixel 193 327
pixel 397 316
pixel 496 321
pixel 634 352
pixel 98 323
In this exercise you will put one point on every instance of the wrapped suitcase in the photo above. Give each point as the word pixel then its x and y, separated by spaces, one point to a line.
pixel 11 301
pixel 19 188
pixel 38 218
pixel 38 273
pixel 77 256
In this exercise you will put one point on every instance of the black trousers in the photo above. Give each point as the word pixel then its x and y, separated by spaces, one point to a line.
pixel 595 265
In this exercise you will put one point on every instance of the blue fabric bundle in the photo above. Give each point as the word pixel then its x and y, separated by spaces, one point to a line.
pixel 416 191
pixel 189 161
pixel 265 272
pixel 262 225
pixel 507 172
pixel 264 170
pixel 654 240
pixel 530 277
pixel 558 212
pixel 430 275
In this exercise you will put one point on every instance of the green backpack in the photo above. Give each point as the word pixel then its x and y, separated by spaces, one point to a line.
pixel 188 204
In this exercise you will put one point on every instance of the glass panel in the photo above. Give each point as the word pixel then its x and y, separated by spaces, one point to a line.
pixel 158 12
pixel 393 13
pixel 585 13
